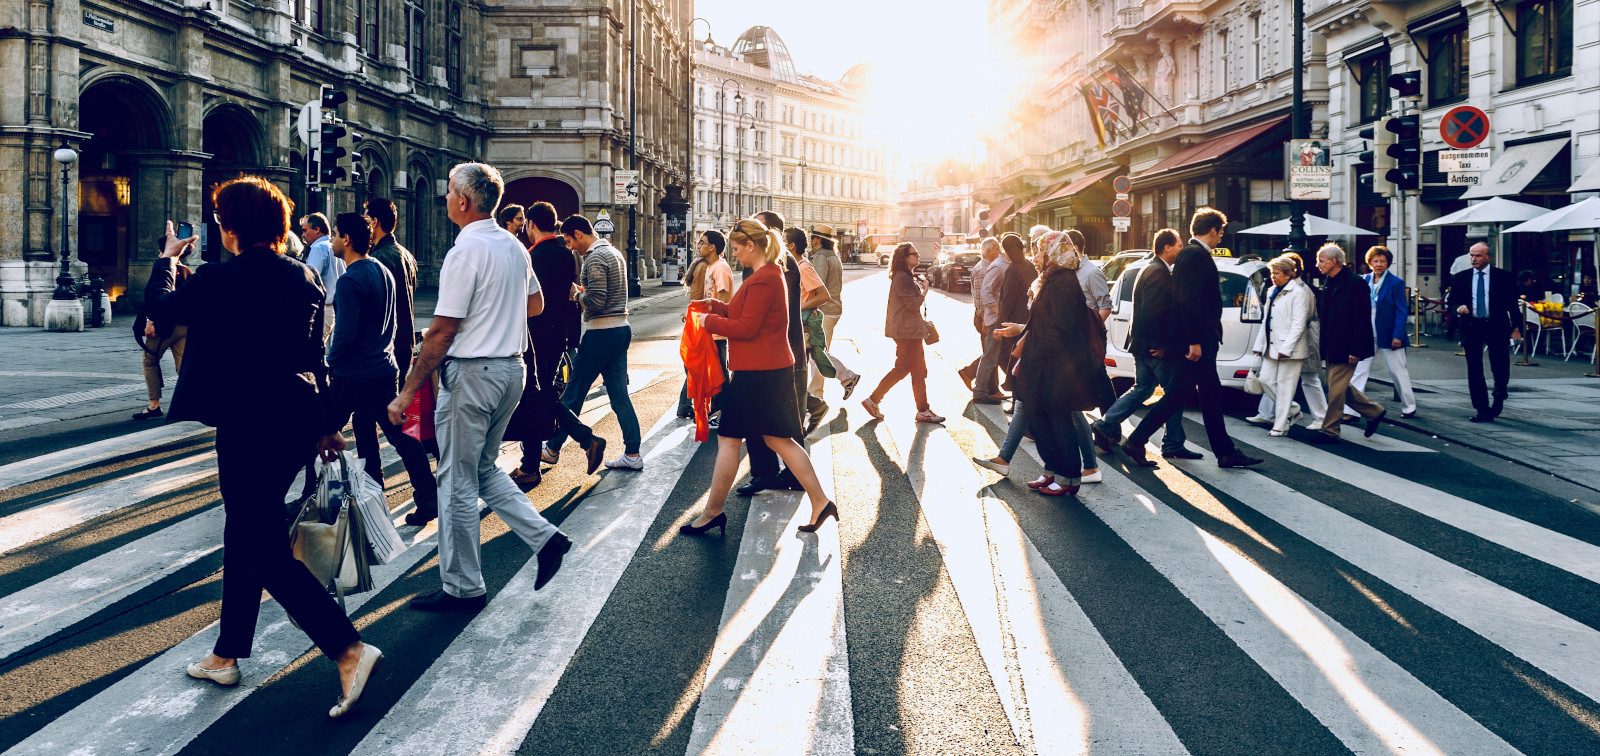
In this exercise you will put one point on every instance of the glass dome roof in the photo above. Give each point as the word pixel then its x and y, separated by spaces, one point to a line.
pixel 762 46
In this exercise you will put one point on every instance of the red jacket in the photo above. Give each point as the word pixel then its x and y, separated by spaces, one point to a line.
pixel 756 322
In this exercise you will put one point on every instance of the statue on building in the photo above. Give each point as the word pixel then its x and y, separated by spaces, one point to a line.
pixel 1166 72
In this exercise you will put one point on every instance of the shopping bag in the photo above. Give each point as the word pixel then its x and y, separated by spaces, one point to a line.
pixel 326 535
pixel 371 513
pixel 419 416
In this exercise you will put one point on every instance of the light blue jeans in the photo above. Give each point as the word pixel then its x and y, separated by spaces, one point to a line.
pixel 603 354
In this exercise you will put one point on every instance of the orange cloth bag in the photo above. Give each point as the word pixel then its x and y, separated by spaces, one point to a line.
pixel 699 355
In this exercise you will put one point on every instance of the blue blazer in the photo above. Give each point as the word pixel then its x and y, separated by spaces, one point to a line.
pixel 1390 311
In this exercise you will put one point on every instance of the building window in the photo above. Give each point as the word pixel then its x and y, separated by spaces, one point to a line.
pixel 1544 40
pixel 738 138
pixel 700 129
pixel 1227 51
pixel 1258 49
pixel 367 26
pixel 761 110
pixel 416 33
pixel 761 141
pixel 700 96
pixel 308 13
pixel 1372 80
pixel 1448 66
pixel 452 62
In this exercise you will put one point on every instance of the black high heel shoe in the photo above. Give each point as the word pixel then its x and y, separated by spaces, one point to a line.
pixel 720 522
pixel 828 511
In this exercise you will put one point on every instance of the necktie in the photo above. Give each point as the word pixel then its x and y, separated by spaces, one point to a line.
pixel 1481 310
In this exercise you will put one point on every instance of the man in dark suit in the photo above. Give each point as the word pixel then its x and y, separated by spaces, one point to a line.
pixel 1484 299
pixel 1153 338
pixel 1199 330
pixel 1345 309
pixel 403 266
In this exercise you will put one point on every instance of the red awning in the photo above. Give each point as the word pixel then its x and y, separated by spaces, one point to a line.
pixel 1000 210
pixel 1212 148
pixel 1040 197
pixel 1074 187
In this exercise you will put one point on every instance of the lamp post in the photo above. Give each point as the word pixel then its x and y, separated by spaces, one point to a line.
pixel 688 122
pixel 801 175
pixel 633 151
pixel 722 137
pixel 738 191
pixel 1297 130
pixel 64 312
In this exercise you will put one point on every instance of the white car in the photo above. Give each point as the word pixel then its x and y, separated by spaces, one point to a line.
pixel 1243 283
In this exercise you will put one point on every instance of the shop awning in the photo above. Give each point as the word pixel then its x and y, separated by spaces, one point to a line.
pixel 1584 216
pixel 1211 149
pixel 1517 167
pixel 1041 196
pixel 1589 181
pixel 999 210
pixel 1073 187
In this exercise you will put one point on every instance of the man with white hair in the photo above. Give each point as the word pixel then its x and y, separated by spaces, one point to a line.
pixel 987 277
pixel 1345 312
pixel 487 292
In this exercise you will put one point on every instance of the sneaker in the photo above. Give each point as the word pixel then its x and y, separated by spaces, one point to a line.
pixel 849 385
pixel 927 416
pixel 1094 477
pixel 1258 420
pixel 548 455
pixel 871 406
pixel 150 414
pixel 1000 467
pixel 626 462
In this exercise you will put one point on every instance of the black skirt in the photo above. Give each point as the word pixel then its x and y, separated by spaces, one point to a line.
pixel 760 403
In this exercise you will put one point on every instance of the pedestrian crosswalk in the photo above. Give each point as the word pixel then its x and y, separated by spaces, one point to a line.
pixel 1381 597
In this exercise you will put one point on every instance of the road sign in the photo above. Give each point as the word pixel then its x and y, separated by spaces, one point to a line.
pixel 1121 185
pixel 603 224
pixel 1122 208
pixel 310 120
pixel 1464 161
pixel 1464 127
pixel 1121 223
pixel 625 187
pixel 1465 179
pixel 1124 195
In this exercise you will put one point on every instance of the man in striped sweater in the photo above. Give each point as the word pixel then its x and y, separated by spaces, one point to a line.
pixel 602 293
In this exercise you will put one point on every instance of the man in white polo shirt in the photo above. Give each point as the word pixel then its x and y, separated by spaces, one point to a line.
pixel 487 291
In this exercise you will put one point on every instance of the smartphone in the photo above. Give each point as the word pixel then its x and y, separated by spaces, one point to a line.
pixel 185 230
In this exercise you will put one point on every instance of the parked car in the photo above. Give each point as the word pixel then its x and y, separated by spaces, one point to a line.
pixel 1243 282
pixel 956 274
pixel 936 270
pixel 1113 266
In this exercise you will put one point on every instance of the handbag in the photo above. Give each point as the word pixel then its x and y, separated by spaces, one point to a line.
pixel 1252 382
pixel 323 537
pixel 930 332
pixel 419 415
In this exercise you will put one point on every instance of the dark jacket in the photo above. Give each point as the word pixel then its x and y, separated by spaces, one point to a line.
pixel 1057 373
pixel 162 278
pixel 402 267
pixel 1504 314
pixel 1014 291
pixel 1345 309
pixel 1155 313
pixel 1194 278
pixel 254 352
pixel 555 267
pixel 797 330
pixel 904 317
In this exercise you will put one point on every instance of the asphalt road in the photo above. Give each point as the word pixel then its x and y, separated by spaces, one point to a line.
pixel 1396 595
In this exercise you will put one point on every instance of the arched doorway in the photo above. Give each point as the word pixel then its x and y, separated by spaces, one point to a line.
pixel 120 198
pixel 420 209
pixel 232 137
pixel 526 191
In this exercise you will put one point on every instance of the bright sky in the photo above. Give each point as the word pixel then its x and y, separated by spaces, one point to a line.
pixel 931 56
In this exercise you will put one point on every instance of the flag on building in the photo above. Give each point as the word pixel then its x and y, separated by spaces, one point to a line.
pixel 1102 111
pixel 1133 94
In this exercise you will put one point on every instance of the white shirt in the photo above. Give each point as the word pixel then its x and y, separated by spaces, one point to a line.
pixel 327 264
pixel 486 281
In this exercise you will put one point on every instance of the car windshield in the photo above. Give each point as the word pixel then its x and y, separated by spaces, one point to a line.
pixel 1232 286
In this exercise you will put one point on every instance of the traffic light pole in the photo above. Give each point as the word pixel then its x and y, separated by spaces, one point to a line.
pixel 1297 130
pixel 634 289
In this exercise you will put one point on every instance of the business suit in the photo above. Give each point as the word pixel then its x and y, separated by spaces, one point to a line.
pixel 1390 311
pixel 1345 310
pixel 255 371
pixel 1155 326
pixel 1198 296
pixel 1487 325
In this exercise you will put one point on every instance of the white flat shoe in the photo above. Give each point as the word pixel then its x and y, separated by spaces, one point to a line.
pixel 1258 420
pixel 227 677
pixel 1275 432
pixel 990 464
pixel 1094 477
pixel 370 656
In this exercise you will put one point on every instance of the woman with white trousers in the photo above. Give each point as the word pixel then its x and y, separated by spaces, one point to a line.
pixel 1283 341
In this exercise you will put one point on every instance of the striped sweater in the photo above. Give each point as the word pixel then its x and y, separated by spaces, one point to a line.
pixel 604 278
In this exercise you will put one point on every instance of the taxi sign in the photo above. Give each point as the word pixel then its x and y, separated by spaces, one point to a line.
pixel 1221 252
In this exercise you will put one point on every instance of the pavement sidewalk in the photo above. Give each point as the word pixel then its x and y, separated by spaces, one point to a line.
pixel 95 378
pixel 1551 421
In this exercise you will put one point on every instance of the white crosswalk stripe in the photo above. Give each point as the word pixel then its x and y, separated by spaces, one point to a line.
pixel 777 674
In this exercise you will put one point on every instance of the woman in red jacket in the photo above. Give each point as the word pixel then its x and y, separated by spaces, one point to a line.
pixel 759 398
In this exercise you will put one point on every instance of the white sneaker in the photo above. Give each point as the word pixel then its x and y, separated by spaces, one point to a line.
pixel 1258 420
pixel 1094 477
pixel 626 462
pixel 999 467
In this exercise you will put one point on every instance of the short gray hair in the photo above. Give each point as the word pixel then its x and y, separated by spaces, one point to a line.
pixel 1038 231
pixel 1333 252
pixel 481 184
pixel 990 241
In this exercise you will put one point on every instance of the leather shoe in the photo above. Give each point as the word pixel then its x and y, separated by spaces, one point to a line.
pixel 757 485
pixel 1237 460
pixel 422 515
pixel 595 453
pixel 1103 440
pixel 1181 454
pixel 550 558
pixel 1372 425
pixel 1408 415
pixel 1481 417
pixel 1494 410
pixel 439 601
pixel 788 482
pixel 967 377
pixel 528 479
pixel 1136 453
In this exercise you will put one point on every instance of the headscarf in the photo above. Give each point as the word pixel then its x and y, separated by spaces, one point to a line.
pixel 1058 248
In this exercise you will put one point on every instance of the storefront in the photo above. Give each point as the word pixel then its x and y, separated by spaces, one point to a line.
pixel 1538 171
pixel 1085 204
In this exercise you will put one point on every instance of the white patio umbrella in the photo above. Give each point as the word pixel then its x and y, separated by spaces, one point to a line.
pixel 1315 226
pixel 1495 210
pixel 1579 217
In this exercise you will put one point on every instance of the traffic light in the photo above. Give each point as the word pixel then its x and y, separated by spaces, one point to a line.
pixel 332 99
pixel 346 157
pixel 1406 151
pixel 358 172
pixel 331 154
pixel 1407 84
pixel 1379 140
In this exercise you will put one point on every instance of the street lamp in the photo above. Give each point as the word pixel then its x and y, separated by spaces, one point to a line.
pixel 743 132
pixel 688 122
pixel 634 289
pixel 1297 130
pixel 64 284
pixel 801 176
pixel 722 136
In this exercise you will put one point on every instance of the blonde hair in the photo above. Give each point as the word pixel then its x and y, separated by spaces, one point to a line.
pixel 752 231
pixel 1287 264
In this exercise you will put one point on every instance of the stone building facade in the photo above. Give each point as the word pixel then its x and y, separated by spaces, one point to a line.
pixel 164 100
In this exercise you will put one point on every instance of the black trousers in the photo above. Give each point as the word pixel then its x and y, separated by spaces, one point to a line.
pixel 1478 335
pixel 367 399
pixel 256 464
pixel 763 460
pixel 1202 377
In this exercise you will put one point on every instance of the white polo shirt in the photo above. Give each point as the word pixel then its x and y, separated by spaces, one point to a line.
pixel 486 280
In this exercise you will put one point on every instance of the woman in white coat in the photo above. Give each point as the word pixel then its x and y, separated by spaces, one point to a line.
pixel 1283 341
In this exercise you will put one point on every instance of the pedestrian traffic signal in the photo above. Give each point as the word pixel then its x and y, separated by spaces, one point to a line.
pixel 1406 151
pixel 331 154
pixel 1379 139
pixel 332 98
pixel 1406 84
